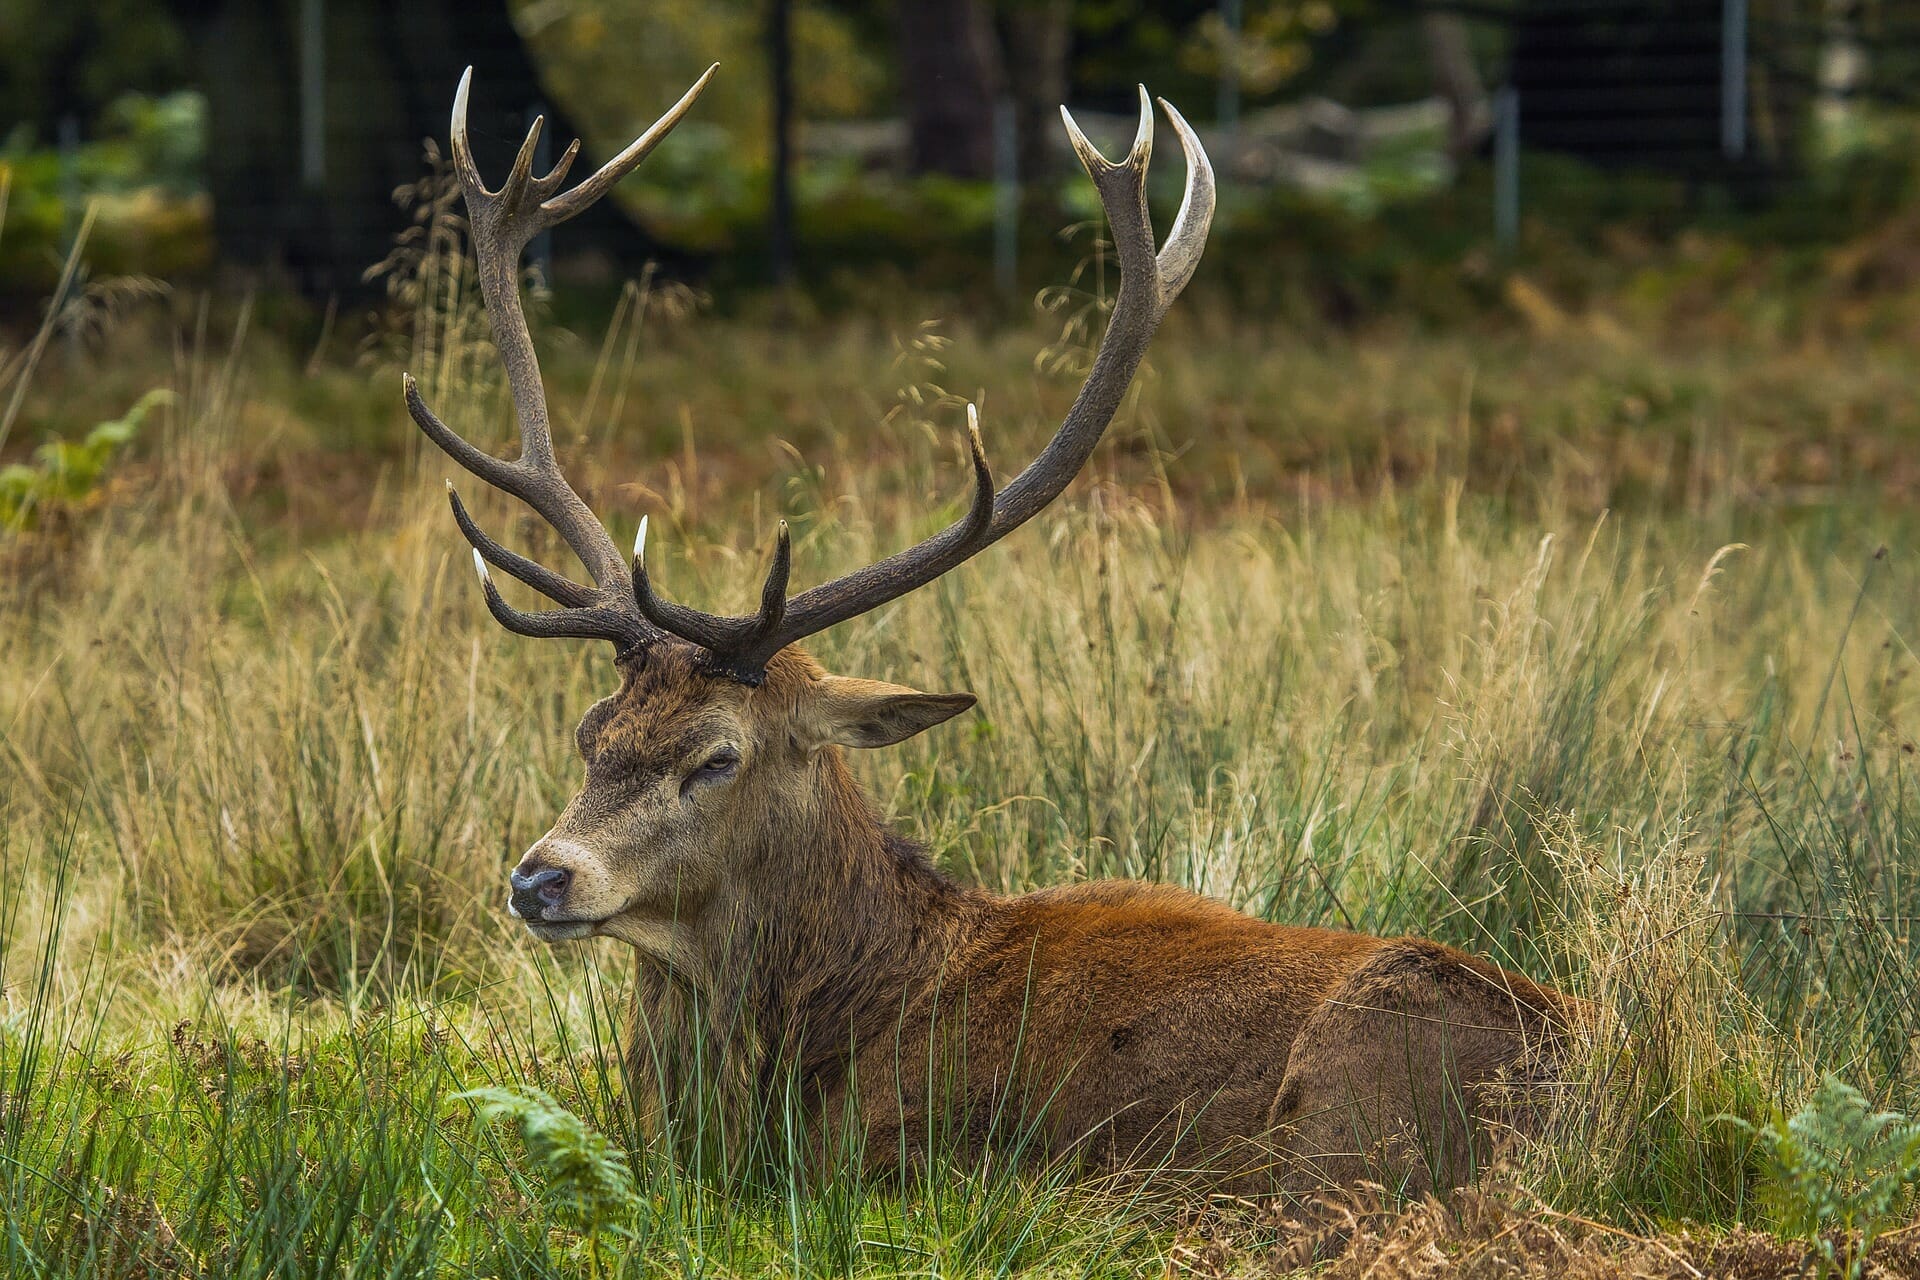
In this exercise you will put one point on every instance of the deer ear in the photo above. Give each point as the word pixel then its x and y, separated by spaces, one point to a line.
pixel 872 713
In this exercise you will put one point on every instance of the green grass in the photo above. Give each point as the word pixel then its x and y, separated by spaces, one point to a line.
pixel 1582 654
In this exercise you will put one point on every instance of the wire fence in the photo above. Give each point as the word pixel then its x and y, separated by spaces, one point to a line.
pixel 1738 94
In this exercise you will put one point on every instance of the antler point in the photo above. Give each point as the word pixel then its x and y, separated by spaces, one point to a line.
pixel 1089 155
pixel 1143 138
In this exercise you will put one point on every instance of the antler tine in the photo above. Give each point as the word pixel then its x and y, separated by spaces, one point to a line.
pixel 1180 257
pixel 463 164
pixel 559 589
pixel 514 189
pixel 740 646
pixel 773 592
pixel 502 475
pixel 591 189
pixel 558 174
pixel 721 637
pixel 1149 282
pixel 502 223
pixel 594 622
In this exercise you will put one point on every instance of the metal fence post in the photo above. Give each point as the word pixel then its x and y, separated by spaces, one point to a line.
pixel 1733 78
pixel 1006 197
pixel 313 92
pixel 1226 110
pixel 1506 168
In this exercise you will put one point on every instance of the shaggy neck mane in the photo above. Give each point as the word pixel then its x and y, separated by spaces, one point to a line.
pixel 837 922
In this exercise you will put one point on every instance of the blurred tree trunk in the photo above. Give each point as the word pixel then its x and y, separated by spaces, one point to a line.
pixel 1469 118
pixel 949 77
pixel 1039 35
pixel 958 59
pixel 780 205
pixel 390 69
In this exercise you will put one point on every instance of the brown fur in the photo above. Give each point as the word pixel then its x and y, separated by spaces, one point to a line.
pixel 789 942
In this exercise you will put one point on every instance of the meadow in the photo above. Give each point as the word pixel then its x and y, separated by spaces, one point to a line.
pixel 1583 643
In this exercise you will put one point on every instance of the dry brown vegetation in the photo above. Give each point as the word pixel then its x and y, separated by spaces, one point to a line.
pixel 1579 649
pixel 1498 1233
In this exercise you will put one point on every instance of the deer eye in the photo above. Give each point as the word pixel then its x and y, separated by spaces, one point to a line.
pixel 717 767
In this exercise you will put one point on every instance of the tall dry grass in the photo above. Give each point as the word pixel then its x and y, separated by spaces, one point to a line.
pixel 267 758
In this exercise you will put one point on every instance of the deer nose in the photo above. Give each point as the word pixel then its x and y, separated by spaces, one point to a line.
pixel 536 890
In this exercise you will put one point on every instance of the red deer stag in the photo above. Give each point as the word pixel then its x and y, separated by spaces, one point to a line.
pixel 786 937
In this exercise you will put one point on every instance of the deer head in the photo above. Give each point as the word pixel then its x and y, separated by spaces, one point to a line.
pixel 722 731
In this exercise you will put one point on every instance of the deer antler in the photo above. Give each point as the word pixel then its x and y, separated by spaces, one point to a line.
pixel 1149 282
pixel 622 606
pixel 502 224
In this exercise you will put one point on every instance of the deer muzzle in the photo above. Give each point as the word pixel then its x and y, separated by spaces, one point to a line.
pixel 561 890
pixel 537 891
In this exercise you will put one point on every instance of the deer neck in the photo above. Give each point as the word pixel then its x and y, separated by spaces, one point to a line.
pixel 836 926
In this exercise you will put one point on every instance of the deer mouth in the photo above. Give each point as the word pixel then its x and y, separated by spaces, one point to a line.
pixel 549 929
pixel 562 930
